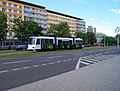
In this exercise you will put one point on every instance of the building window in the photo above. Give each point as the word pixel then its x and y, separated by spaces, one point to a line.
pixel 20 12
pixel 4 3
pixel 4 9
pixel 20 7
pixel 10 16
pixel 15 11
pixel 15 6
pixel 15 17
pixel 9 4
pixel 10 10
pixel 10 22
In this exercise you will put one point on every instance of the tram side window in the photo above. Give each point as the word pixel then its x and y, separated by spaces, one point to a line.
pixel 49 41
pixel 65 42
pixel 70 41
pixel 0 43
pixel 7 43
pixel 11 43
pixel 38 42
pixel 77 41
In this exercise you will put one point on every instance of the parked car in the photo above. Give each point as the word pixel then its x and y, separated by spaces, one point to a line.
pixel 21 47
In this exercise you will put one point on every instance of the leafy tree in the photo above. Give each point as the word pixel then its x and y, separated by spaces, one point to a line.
pixel 3 26
pixel 63 30
pixel 52 30
pixel 60 30
pixel 90 36
pixel 25 29
pixel 81 35
pixel 109 41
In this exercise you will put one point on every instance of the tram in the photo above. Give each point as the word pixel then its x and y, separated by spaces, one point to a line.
pixel 53 43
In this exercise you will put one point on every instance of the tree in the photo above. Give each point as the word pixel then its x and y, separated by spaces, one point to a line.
pixel 3 26
pixel 90 36
pixel 63 30
pixel 60 30
pixel 25 29
pixel 81 35
pixel 109 41
pixel 52 30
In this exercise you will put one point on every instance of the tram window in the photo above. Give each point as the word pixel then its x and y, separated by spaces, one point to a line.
pixel 32 41
pixel 1 44
pixel 7 43
pixel 38 42
pixel 11 43
pixel 51 41
pixel 70 41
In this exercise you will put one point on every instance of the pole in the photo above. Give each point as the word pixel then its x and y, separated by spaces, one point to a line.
pixel 9 41
pixel 118 40
pixel 104 41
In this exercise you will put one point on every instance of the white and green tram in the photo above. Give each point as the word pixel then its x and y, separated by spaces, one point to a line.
pixel 53 43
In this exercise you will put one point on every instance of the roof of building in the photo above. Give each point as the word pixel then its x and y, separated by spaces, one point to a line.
pixel 35 5
pixel 50 11
pixel 27 3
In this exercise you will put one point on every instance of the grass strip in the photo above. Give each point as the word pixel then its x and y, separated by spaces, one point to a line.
pixel 14 54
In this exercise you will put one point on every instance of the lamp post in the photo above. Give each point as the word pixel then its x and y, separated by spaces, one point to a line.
pixel 104 41
pixel 117 31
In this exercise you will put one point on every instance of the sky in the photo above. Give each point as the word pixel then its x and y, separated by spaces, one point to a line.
pixel 102 14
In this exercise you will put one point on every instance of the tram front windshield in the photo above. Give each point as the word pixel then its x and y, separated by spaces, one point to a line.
pixel 32 41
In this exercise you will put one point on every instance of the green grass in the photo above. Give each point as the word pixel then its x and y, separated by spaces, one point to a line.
pixel 14 54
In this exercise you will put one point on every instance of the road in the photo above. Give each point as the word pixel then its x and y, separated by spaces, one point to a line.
pixel 15 72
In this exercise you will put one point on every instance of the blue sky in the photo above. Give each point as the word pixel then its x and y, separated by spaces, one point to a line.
pixel 102 14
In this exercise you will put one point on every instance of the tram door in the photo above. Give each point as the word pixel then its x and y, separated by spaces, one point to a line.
pixel 38 44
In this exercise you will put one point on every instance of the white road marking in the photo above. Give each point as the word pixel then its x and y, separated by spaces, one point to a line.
pixel 89 61
pixel 51 63
pixel 93 60
pixel 16 62
pixel 112 51
pixel 84 63
pixel 74 58
pixel 58 61
pixel 55 57
pixel 3 71
pixel 106 52
pixel 16 69
pixel 78 64
pixel 25 67
pixel 44 64
pixel 69 59
pixel 65 60
pixel 35 65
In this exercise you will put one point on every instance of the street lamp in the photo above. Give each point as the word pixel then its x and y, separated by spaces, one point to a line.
pixel 117 31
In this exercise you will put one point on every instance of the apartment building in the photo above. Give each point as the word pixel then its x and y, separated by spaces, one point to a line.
pixel 36 13
pixel 56 17
pixel 80 26
pixel 12 10
pixel 91 29
pixel 25 10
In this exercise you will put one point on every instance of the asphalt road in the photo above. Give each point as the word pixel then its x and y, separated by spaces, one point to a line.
pixel 19 71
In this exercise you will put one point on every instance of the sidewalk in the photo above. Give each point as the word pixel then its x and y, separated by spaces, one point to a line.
pixel 102 76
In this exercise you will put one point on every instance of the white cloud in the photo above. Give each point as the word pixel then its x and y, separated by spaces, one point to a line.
pixel 91 19
pixel 117 11
pixel 80 1
pixel 116 0
pixel 106 22
pixel 108 30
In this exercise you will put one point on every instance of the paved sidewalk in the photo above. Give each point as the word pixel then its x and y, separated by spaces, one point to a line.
pixel 102 76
